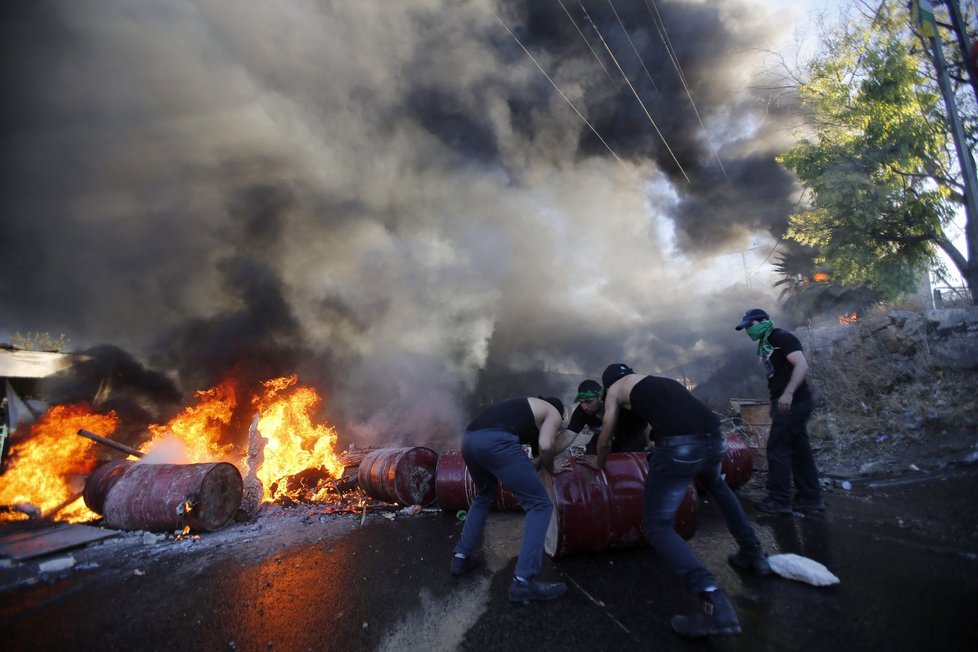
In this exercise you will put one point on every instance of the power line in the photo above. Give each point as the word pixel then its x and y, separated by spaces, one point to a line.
pixel 632 43
pixel 586 42
pixel 664 35
pixel 557 88
pixel 637 97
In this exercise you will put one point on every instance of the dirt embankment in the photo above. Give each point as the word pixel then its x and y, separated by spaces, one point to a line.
pixel 897 392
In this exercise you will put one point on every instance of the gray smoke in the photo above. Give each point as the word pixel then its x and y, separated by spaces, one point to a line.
pixel 388 198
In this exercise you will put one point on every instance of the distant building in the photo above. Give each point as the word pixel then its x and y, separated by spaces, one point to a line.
pixel 22 374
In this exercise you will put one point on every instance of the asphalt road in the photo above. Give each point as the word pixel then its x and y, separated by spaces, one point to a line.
pixel 904 549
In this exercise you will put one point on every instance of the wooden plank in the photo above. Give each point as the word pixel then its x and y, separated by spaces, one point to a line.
pixel 45 542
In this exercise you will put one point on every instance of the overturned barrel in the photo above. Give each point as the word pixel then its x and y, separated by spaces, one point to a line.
pixel 738 462
pixel 455 488
pixel 101 481
pixel 165 497
pixel 400 475
pixel 596 511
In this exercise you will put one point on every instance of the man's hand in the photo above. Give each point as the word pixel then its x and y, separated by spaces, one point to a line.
pixel 590 461
pixel 562 464
pixel 784 401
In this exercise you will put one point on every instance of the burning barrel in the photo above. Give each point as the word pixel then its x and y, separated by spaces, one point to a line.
pixel 738 462
pixel 597 511
pixel 165 497
pixel 456 489
pixel 400 475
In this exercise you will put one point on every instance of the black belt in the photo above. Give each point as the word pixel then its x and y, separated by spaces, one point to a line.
pixel 685 440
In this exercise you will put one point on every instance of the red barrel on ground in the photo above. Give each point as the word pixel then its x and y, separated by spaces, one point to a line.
pixel 405 476
pixel 738 462
pixel 597 511
pixel 165 497
pixel 99 483
pixel 455 488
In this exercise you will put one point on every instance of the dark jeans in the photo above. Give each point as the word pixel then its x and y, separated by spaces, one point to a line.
pixel 671 470
pixel 789 455
pixel 497 454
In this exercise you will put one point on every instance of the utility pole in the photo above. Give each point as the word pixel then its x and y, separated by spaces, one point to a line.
pixel 969 64
pixel 923 14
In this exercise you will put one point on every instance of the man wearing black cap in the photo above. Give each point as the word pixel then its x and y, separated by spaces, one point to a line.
pixel 688 446
pixel 631 434
pixel 492 448
pixel 789 454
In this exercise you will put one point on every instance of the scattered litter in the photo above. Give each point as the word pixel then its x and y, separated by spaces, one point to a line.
pixel 802 569
pixel 914 467
pixel 88 565
pixel 971 458
pixel 461 514
pixel 151 539
pixel 139 572
pixel 58 564
pixel 845 484
pixel 388 515
pixel 411 510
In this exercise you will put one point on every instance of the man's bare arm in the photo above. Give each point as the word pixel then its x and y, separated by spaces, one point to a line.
pixel 799 369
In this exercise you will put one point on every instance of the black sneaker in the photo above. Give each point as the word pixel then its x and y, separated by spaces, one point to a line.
pixel 534 590
pixel 715 618
pixel 808 505
pixel 751 559
pixel 462 565
pixel 769 506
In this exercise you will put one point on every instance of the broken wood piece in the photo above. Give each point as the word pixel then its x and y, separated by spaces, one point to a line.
pixel 50 514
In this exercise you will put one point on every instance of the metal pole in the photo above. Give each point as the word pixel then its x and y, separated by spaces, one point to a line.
pixel 965 160
pixel 959 29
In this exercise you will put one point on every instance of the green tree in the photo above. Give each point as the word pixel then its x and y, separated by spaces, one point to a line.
pixel 877 160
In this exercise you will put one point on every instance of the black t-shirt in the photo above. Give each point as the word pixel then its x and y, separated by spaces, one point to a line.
pixel 670 409
pixel 511 415
pixel 629 435
pixel 778 367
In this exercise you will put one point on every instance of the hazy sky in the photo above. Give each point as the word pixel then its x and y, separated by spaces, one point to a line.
pixel 391 197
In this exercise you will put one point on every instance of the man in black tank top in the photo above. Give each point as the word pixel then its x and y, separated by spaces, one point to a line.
pixel 688 446
pixel 492 448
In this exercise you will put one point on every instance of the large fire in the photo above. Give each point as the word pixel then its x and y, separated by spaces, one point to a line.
pixel 48 466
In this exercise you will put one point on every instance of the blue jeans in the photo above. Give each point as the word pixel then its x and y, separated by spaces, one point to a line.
pixel 496 455
pixel 671 470
pixel 789 455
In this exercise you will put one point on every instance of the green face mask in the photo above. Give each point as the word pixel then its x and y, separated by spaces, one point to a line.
pixel 760 329
pixel 759 332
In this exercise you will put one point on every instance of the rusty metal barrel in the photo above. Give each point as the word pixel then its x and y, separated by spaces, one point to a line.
pixel 400 475
pixel 738 462
pixel 99 483
pixel 456 489
pixel 597 511
pixel 165 497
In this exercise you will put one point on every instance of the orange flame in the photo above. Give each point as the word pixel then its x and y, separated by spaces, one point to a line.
pixel 850 318
pixel 294 442
pixel 52 464
pixel 53 457
pixel 199 427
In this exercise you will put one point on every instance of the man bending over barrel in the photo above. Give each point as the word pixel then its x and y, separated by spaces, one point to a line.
pixel 492 450
pixel 688 446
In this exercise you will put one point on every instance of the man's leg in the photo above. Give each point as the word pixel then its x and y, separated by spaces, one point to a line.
pixel 518 475
pixel 671 470
pixel 477 450
pixel 779 464
pixel 750 555
pixel 809 492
